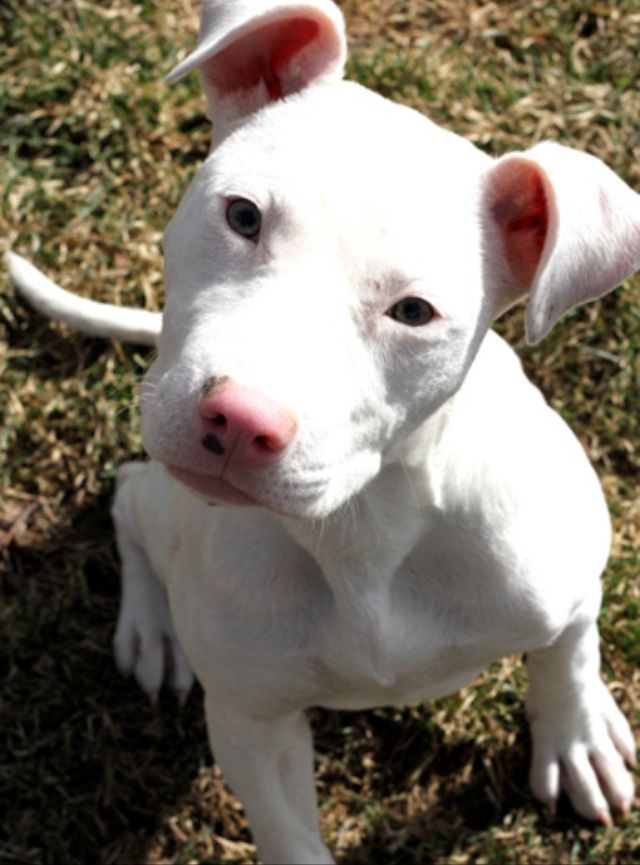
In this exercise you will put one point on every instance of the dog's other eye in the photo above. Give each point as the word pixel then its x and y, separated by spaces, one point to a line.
pixel 413 311
pixel 244 218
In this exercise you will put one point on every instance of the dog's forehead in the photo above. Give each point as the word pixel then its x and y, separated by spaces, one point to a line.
pixel 349 150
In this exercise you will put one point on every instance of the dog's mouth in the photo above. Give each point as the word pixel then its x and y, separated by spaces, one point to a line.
pixel 304 495
pixel 213 489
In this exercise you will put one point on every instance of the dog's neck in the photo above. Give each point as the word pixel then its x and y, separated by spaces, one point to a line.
pixel 360 551
pixel 361 547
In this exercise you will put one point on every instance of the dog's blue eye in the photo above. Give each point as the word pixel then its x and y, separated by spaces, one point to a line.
pixel 413 311
pixel 244 218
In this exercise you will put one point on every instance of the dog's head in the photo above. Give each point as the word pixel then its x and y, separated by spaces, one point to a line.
pixel 337 261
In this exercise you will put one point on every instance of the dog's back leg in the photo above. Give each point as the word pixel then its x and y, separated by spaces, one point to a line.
pixel 144 643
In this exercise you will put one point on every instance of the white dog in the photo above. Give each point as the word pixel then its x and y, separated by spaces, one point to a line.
pixel 355 496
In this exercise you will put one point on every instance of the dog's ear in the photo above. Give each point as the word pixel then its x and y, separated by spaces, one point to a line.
pixel 252 52
pixel 566 228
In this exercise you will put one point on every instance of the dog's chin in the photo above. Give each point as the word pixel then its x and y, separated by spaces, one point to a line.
pixel 215 491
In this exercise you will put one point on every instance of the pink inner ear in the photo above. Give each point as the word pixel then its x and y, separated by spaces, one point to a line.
pixel 262 54
pixel 520 208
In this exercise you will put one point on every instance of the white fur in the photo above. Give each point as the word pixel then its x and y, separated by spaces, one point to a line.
pixel 432 513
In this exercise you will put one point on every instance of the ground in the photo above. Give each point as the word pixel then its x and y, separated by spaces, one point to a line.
pixel 96 151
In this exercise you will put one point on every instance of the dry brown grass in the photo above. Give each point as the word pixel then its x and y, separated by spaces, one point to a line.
pixel 96 152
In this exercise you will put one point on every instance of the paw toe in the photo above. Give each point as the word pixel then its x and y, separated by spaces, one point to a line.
pixel 125 649
pixel 544 778
pixel 154 658
pixel 149 666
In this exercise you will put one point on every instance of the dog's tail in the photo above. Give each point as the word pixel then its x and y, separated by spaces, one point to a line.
pixel 87 316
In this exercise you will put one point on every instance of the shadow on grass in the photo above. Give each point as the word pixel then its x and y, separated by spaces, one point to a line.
pixel 89 768
pixel 423 794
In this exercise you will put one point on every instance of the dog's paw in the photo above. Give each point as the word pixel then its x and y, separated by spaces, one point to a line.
pixel 145 644
pixel 582 750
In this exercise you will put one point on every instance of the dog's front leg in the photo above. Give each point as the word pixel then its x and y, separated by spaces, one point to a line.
pixel 145 642
pixel 581 740
pixel 268 761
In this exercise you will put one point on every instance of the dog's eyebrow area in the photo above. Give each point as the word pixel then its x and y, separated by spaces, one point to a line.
pixel 395 284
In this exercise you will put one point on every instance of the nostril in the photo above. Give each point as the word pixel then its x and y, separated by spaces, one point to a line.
pixel 264 443
pixel 219 420
pixel 212 443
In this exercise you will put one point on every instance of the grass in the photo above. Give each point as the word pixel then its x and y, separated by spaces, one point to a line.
pixel 95 154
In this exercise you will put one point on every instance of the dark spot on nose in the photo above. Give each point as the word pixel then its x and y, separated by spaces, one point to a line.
pixel 213 382
pixel 212 443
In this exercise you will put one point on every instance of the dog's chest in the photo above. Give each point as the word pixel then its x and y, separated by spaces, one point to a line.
pixel 285 634
pixel 413 641
pixel 389 649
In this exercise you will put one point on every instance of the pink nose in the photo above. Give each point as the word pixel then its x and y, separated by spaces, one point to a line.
pixel 242 425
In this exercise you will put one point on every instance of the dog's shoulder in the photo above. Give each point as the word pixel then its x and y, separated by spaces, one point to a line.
pixel 502 442
pixel 515 497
